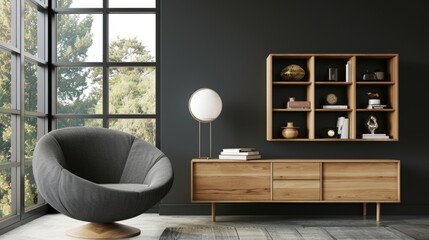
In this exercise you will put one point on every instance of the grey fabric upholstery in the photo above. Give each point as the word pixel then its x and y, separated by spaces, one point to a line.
pixel 100 175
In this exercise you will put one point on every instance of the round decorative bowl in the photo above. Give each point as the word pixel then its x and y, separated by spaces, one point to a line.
pixel 290 131
pixel 292 72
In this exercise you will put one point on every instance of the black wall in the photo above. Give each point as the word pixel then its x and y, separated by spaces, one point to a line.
pixel 223 45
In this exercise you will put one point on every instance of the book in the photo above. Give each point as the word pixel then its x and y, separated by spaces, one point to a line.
pixel 237 150
pixel 376 106
pixel 375 136
pixel 335 107
pixel 240 153
pixel 238 157
pixel 345 129
pixel 348 73
pixel 298 104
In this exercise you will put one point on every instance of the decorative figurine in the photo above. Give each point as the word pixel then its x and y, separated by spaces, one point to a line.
pixel 373 94
pixel 292 72
pixel 372 124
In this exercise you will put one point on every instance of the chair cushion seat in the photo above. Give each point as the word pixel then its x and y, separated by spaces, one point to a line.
pixel 128 187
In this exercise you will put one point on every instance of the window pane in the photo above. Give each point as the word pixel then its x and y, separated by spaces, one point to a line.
pixel 5 193
pixel 6 138
pixel 78 122
pixel 33 38
pixel 132 90
pixel 33 87
pixel 132 3
pixel 131 44
pixel 31 133
pixel 142 128
pixel 5 21
pixel 80 90
pixel 31 195
pixel 5 79
pixel 79 38
pixel 79 3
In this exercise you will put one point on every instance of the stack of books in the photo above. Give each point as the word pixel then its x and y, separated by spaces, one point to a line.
pixel 239 154
pixel 335 107
pixel 375 136
pixel 376 106
pixel 298 105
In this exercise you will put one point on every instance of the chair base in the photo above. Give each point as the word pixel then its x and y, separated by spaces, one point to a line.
pixel 103 231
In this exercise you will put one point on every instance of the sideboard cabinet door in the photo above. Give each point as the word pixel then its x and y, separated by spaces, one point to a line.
pixel 356 181
pixel 234 181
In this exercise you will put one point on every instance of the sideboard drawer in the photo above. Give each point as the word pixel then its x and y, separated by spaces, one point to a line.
pixel 296 170
pixel 296 190
pixel 230 181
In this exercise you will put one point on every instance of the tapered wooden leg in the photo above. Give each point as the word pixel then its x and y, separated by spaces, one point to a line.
pixel 364 209
pixel 377 216
pixel 213 212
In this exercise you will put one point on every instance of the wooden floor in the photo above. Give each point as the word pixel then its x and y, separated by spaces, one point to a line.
pixel 53 226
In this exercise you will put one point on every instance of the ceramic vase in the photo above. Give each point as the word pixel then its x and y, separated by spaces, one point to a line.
pixel 290 131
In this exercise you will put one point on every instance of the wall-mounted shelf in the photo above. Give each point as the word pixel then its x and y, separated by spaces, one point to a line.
pixel 315 86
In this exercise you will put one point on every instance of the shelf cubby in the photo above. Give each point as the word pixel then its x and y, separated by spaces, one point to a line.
pixel 299 118
pixel 316 86
pixel 323 63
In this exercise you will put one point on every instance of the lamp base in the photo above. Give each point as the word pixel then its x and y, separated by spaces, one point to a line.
pixel 203 158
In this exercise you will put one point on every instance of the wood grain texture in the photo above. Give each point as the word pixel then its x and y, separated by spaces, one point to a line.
pixel 103 231
pixel 296 190
pixel 269 98
pixel 229 181
pixel 360 182
pixel 291 160
pixel 296 170
pixel 310 94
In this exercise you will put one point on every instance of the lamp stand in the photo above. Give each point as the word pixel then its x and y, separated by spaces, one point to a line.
pixel 199 141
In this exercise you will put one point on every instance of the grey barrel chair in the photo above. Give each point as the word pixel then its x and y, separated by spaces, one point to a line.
pixel 100 176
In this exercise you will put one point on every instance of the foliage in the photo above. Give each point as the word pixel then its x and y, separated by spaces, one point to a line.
pixel 132 90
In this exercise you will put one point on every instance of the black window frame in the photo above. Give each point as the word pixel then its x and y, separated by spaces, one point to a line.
pixel 105 64
pixel 18 112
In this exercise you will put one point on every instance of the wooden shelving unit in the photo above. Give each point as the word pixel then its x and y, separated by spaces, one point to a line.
pixel 315 86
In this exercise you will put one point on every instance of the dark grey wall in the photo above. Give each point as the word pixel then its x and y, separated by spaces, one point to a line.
pixel 223 45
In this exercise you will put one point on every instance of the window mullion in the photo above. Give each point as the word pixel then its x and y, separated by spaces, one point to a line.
pixel 105 66
pixel 21 104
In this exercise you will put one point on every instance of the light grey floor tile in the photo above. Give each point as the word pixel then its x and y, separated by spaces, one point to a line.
pixel 253 234
pixel 54 226
pixel 414 231
pixel 361 233
pixel 284 233
pixel 314 233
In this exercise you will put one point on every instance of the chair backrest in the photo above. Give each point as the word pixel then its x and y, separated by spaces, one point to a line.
pixel 95 154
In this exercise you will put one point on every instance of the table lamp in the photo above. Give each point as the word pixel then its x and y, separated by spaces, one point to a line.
pixel 205 106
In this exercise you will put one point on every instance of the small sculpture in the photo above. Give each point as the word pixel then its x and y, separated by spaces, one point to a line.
pixel 373 94
pixel 372 124
pixel 292 72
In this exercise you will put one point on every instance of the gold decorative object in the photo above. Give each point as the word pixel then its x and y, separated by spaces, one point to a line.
pixel 373 94
pixel 292 72
pixel 290 131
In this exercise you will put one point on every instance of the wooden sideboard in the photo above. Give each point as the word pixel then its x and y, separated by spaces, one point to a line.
pixel 296 180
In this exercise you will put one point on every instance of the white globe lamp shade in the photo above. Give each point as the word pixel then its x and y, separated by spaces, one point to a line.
pixel 205 105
